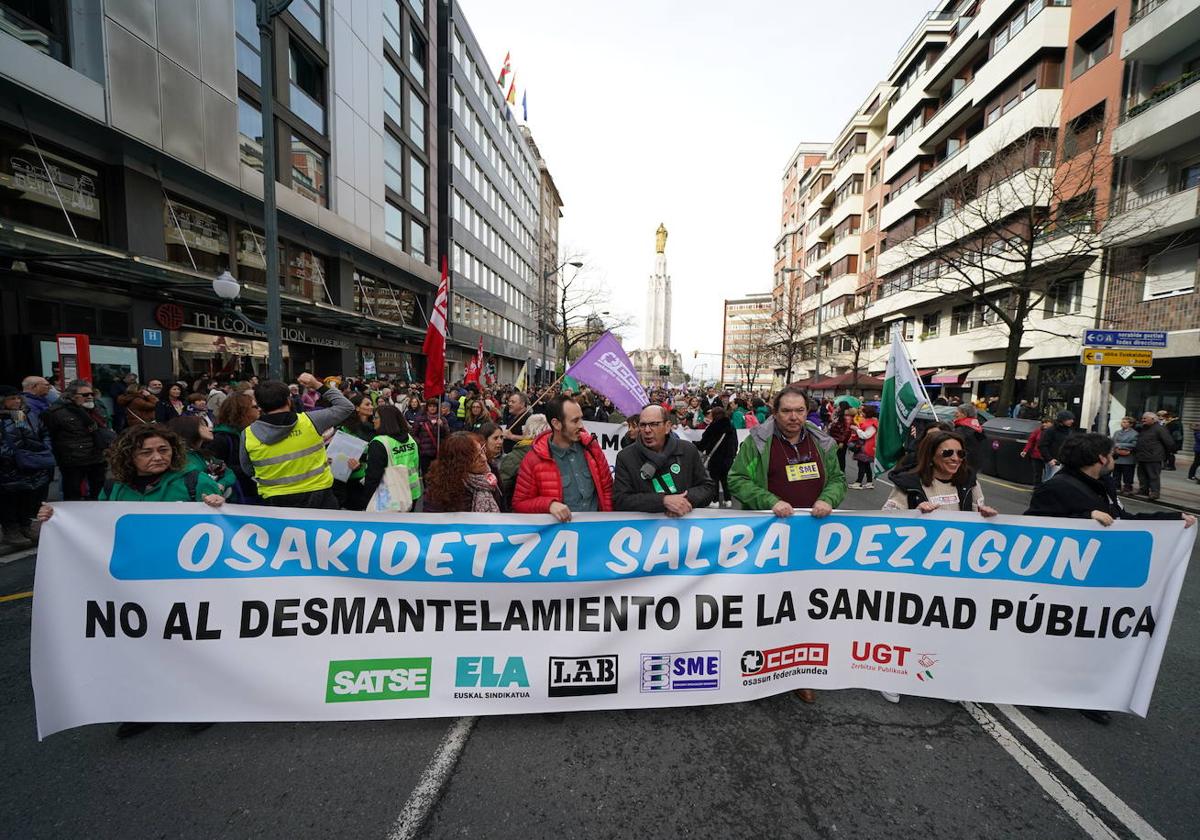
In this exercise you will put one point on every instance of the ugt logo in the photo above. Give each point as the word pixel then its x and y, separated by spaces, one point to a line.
pixel 880 654
pixel 574 676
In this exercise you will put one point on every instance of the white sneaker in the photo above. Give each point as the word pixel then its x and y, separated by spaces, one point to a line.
pixel 890 696
pixel 855 486
pixel 870 485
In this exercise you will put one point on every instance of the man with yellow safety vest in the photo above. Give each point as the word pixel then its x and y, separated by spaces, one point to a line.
pixel 285 452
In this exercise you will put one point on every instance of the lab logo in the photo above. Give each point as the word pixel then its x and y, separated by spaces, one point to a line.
pixel 576 676
pixel 698 670
pixel 377 679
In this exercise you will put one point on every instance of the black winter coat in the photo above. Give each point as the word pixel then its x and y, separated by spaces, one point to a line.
pixel 910 483
pixel 723 437
pixel 1072 494
pixel 1051 441
pixel 1153 443
pixel 72 433
pixel 682 462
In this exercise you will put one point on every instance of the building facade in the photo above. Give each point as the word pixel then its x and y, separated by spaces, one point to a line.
pixel 131 150
pixel 492 201
pixel 546 270
pixel 746 360
pixel 986 197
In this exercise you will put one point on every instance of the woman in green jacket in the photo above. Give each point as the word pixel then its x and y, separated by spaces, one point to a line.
pixel 197 437
pixel 351 493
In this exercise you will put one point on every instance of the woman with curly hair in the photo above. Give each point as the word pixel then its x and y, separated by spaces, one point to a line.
pixel 150 464
pixel 460 480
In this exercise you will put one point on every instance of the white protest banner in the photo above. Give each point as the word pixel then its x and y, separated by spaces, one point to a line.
pixel 176 612
pixel 611 434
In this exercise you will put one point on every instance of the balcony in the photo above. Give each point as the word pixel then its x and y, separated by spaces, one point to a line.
pixel 1158 29
pixel 1164 212
pixel 1168 117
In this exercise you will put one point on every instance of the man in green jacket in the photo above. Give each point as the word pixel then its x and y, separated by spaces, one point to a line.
pixel 788 463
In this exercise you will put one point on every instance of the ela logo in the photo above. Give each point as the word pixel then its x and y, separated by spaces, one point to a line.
pixel 377 679
pixel 698 670
pixel 482 672
pixel 573 676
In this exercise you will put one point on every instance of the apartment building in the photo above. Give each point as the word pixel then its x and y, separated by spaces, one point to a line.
pixel 746 359
pixel 1001 223
pixel 549 214
pixel 131 154
pixel 492 203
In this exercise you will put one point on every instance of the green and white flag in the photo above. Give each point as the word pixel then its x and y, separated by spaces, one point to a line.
pixel 903 395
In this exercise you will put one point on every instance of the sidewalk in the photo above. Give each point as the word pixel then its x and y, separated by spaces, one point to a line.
pixel 1177 491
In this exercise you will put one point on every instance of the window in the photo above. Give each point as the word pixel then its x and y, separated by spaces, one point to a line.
pixel 960 319
pixel 1171 273
pixel 416 54
pixel 1085 131
pixel 418 9
pixel 872 217
pixel 306 89
pixel 416 239
pixel 909 326
pixel 879 337
pixel 1093 47
pixel 931 324
pixel 40 24
pixel 393 225
pixel 305 275
pixel 248 62
pixel 391 24
pixel 308 171
pixel 308 14
pixel 1064 297
pixel 196 237
pixel 391 93
pixel 416 118
pixel 250 134
pixel 416 183
pixel 393 161
pixel 869 259
pixel 874 174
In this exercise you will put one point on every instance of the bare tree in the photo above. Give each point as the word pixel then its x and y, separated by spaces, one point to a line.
pixel 1004 236
pixel 784 336
pixel 854 337
pixel 578 315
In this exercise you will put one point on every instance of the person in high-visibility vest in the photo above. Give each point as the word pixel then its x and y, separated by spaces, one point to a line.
pixel 393 445
pixel 284 451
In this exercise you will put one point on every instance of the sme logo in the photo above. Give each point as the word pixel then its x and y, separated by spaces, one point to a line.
pixel 698 670
pixel 377 679
pixel 756 662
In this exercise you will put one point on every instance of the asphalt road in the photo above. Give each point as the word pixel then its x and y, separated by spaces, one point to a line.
pixel 851 765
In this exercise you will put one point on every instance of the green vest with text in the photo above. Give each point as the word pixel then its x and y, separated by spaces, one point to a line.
pixel 404 455
pixel 296 464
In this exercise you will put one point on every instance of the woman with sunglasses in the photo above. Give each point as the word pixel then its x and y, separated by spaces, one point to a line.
pixel 941 480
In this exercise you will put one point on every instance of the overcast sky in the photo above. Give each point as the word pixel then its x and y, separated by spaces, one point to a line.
pixel 685 113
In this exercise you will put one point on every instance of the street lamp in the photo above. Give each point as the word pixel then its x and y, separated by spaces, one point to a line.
pixel 227 288
pixel 542 303
pixel 820 313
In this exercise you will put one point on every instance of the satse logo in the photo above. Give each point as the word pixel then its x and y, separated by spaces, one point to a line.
pixel 698 670
pixel 574 676
pixel 377 679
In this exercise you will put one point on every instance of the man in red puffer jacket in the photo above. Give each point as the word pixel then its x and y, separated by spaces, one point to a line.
pixel 565 469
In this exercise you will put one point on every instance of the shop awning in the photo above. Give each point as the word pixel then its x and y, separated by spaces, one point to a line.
pixel 848 380
pixel 994 372
pixel 948 376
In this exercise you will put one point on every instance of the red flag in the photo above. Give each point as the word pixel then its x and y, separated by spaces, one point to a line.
pixel 435 338
pixel 475 366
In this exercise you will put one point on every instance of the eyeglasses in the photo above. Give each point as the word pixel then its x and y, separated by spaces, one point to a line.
pixel 653 425
pixel 951 453
pixel 84 394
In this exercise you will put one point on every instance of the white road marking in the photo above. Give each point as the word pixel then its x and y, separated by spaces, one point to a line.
pixel 1063 795
pixel 429 788
pixel 1116 806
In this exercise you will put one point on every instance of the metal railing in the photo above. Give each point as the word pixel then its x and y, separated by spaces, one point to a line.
pixel 1143 9
pixel 1160 93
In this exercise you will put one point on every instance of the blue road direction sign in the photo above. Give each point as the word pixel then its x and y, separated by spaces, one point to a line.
pixel 1124 338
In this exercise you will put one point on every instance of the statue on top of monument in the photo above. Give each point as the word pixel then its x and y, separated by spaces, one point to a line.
pixel 660 239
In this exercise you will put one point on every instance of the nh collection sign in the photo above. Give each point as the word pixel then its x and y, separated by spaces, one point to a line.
pixel 233 324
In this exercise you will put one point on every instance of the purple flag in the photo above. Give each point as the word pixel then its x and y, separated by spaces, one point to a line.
pixel 607 369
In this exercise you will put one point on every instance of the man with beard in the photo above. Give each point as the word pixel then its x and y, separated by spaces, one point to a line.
pixel 660 473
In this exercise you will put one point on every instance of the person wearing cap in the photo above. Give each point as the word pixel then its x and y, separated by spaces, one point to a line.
pixel 1051 441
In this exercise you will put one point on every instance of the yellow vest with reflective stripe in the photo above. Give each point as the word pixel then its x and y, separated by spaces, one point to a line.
pixel 296 464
